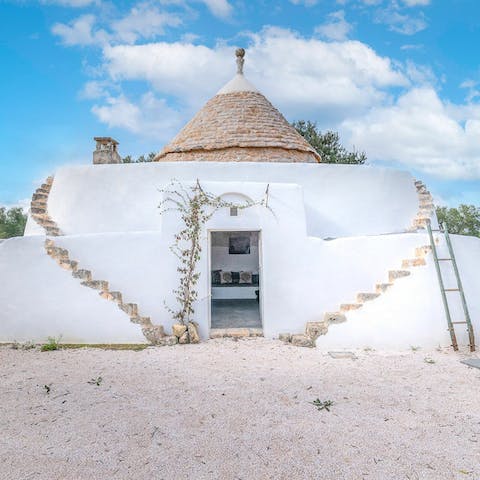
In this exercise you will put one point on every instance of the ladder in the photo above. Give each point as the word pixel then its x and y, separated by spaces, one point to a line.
pixel 444 291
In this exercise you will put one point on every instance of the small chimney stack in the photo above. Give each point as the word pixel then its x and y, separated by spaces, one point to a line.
pixel 106 151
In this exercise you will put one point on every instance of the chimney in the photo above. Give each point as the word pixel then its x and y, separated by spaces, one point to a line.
pixel 106 151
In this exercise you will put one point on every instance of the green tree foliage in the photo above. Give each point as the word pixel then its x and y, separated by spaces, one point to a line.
pixel 12 222
pixel 140 159
pixel 464 220
pixel 328 144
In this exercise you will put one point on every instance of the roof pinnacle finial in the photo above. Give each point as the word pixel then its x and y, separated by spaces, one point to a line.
pixel 240 53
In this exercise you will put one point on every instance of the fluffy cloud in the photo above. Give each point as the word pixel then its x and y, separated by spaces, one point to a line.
pixel 150 117
pixel 79 32
pixel 69 3
pixel 401 22
pixel 219 8
pixel 416 3
pixel 300 75
pixel 422 132
pixel 143 21
pixel 336 28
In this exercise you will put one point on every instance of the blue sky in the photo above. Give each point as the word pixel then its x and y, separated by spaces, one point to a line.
pixel 399 79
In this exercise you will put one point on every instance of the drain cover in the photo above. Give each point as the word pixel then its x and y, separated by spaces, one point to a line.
pixel 343 355
pixel 472 362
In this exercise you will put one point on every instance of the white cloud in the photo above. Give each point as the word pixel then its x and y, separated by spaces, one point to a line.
pixel 306 3
pixel 415 3
pixel 400 22
pixel 421 131
pixel 79 32
pixel 336 28
pixel 94 89
pixel 219 8
pixel 69 3
pixel 143 21
pixel 299 74
pixel 149 117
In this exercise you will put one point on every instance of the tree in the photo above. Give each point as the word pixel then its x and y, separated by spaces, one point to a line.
pixel 12 222
pixel 464 220
pixel 328 144
pixel 140 159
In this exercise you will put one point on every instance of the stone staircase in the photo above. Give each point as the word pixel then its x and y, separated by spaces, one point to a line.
pixel 38 209
pixel 314 329
pixel 153 333
pixel 425 210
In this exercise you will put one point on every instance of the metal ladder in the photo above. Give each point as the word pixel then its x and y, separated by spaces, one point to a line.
pixel 444 291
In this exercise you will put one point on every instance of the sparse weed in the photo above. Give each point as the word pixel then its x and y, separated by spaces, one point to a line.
pixel 95 381
pixel 414 348
pixel 52 344
pixel 322 405
pixel 429 360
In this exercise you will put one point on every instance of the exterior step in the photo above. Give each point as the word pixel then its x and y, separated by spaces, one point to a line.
pixel 68 264
pixel 58 253
pixel 129 308
pixel 346 307
pixel 141 320
pixel 83 274
pixel 112 296
pixel 366 297
pixel 40 196
pixel 334 317
pixel 420 222
pixel 37 209
pixel 382 287
pixel 394 274
pixel 413 262
pixel 54 232
pixel 96 284
pixel 235 332
pixel 421 252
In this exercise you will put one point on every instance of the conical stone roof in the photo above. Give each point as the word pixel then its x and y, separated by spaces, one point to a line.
pixel 238 124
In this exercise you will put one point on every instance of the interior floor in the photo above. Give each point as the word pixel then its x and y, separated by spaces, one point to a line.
pixel 236 313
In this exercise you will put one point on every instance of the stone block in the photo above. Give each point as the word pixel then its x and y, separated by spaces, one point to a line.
pixel 300 340
pixel 366 297
pixel 285 337
pixel 314 329
pixel 184 338
pixel 178 330
pixel 334 317
pixel 193 332
pixel 156 335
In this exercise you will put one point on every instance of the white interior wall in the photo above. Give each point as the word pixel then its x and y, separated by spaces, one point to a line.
pixel 223 260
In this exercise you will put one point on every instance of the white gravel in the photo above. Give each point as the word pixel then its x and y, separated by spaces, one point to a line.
pixel 237 410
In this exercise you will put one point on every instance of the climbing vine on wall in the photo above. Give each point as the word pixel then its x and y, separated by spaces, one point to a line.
pixel 196 208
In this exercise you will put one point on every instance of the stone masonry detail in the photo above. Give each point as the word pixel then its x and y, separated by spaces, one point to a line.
pixel 39 211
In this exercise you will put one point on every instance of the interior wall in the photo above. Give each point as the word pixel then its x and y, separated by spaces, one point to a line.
pixel 223 260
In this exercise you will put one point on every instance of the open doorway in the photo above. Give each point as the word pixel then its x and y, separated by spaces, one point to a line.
pixel 235 279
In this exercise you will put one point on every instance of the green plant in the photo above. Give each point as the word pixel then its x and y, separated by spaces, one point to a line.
pixel 95 381
pixel 463 220
pixel 196 207
pixel 414 348
pixel 322 405
pixel 328 144
pixel 12 222
pixel 52 344
pixel 429 360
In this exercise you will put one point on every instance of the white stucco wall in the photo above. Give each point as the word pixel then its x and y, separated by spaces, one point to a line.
pixel 339 200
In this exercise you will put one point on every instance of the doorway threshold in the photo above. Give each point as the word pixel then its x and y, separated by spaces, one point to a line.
pixel 235 332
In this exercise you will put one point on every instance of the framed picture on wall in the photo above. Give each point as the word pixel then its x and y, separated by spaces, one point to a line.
pixel 239 245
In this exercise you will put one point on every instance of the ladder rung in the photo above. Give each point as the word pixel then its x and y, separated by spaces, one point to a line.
pixel 444 259
pixel 458 323
pixel 451 290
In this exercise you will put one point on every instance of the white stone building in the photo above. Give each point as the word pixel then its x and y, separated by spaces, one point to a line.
pixel 341 258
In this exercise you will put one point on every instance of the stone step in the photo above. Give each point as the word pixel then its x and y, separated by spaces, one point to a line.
pixel 420 252
pixel 58 253
pixel 427 206
pixel 49 243
pixel 418 182
pixel 96 284
pixel 413 262
pixel 366 297
pixel 334 317
pixel 54 232
pixel 394 274
pixel 39 196
pixel 420 222
pixel 141 320
pixel 314 329
pixel 68 264
pixel 130 309
pixel 112 296
pixel 382 287
pixel 300 340
pixel 346 307
pixel 235 332
pixel 46 186
pixel 37 210
pixel 83 274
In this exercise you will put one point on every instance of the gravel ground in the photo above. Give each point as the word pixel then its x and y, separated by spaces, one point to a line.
pixel 237 410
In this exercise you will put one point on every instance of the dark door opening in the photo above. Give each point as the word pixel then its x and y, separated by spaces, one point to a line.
pixel 235 279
